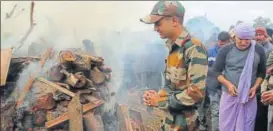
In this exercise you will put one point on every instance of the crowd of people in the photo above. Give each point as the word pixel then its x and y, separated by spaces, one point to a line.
pixel 220 58
pixel 233 77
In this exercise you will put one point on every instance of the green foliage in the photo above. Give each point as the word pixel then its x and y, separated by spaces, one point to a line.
pixel 262 21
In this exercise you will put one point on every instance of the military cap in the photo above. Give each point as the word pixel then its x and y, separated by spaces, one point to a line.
pixel 162 9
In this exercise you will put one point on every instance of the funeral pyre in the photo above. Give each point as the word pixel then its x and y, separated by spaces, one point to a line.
pixel 67 96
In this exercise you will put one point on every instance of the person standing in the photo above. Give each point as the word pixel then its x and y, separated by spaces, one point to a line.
pixel 240 68
pixel 186 69
pixel 213 86
pixel 267 94
pixel 261 38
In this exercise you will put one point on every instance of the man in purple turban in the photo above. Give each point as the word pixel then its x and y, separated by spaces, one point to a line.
pixel 243 64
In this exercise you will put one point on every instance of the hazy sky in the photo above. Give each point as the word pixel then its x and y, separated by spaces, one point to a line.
pixel 87 17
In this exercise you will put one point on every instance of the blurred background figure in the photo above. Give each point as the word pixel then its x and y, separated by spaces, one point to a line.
pixel 232 35
pixel 89 46
pixel 270 34
pixel 213 86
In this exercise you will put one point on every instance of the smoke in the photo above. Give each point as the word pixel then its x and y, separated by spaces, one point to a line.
pixel 126 50
pixel 204 29
pixel 61 29
pixel 34 70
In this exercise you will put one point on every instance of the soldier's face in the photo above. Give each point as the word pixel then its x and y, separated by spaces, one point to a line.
pixel 165 27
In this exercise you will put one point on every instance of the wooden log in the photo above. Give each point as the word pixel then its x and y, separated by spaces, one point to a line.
pixel 124 123
pixel 75 114
pixel 92 58
pixel 90 98
pixel 97 77
pixel 45 56
pixel 92 122
pixel 5 63
pixel 26 89
pixel 64 117
pixel 51 84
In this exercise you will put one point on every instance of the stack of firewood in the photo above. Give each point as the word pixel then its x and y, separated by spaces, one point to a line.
pixel 67 97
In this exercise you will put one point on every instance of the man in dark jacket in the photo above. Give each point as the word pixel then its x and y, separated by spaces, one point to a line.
pixel 213 86
pixel 261 37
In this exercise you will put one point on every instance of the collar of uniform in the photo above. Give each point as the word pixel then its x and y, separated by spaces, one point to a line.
pixel 178 40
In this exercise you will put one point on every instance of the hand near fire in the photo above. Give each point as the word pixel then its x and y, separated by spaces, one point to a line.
pixel 151 98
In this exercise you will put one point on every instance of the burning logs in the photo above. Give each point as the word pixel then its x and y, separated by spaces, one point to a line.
pixel 45 102
pixel 66 92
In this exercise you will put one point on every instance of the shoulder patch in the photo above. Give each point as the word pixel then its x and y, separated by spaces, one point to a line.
pixel 196 41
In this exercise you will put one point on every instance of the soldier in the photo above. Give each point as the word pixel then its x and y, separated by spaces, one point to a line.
pixel 186 69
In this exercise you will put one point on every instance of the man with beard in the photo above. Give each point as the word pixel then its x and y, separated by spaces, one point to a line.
pixel 240 68
pixel 261 38
pixel 186 69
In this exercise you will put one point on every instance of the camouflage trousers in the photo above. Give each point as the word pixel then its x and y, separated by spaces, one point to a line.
pixel 182 121
pixel 203 109
pixel 214 107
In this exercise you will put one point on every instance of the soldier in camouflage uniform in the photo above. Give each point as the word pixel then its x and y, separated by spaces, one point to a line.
pixel 186 69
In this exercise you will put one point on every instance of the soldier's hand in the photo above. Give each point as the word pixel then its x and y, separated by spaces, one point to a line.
pixel 162 93
pixel 151 98
pixel 232 90
pixel 147 95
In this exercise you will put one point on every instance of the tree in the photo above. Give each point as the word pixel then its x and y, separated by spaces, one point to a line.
pixel 262 21
pixel 239 22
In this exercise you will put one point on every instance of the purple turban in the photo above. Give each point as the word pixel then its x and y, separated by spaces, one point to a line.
pixel 244 31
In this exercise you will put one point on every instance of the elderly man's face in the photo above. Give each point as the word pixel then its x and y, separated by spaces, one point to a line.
pixel 260 37
pixel 242 43
pixel 165 26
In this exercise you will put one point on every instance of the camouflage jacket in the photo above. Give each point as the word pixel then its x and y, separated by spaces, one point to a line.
pixel 186 72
